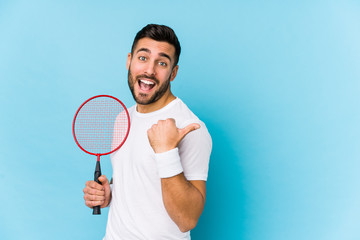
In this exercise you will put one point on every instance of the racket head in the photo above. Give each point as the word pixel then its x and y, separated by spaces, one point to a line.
pixel 101 125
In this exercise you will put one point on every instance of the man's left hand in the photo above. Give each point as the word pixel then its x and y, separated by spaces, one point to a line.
pixel 165 136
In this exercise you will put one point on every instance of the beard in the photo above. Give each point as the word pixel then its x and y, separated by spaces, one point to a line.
pixel 143 98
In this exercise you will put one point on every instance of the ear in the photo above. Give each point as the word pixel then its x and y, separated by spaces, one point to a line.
pixel 174 72
pixel 128 61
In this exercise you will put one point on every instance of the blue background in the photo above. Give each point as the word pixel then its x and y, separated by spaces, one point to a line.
pixel 276 82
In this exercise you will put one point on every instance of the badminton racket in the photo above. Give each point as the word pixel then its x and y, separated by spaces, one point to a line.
pixel 100 127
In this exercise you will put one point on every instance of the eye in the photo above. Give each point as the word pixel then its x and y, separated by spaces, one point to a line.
pixel 164 64
pixel 142 58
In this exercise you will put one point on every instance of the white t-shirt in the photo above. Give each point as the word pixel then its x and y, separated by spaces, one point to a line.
pixel 137 210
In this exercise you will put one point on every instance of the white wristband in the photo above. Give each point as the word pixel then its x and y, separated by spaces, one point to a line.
pixel 168 163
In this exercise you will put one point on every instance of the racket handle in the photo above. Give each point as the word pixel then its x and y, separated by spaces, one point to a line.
pixel 97 174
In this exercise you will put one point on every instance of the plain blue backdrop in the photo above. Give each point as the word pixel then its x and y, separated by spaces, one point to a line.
pixel 276 82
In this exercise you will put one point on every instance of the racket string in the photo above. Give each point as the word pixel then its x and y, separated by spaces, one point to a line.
pixel 101 125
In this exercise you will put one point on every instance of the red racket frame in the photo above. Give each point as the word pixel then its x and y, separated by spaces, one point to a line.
pixel 127 133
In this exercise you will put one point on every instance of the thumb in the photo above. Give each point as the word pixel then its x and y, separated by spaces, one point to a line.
pixel 104 181
pixel 189 128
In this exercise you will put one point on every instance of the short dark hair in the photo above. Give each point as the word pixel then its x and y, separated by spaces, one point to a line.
pixel 159 33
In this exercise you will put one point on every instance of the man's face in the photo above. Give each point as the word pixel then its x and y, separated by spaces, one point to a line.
pixel 150 70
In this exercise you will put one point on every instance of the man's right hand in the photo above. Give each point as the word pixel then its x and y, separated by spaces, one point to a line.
pixel 96 194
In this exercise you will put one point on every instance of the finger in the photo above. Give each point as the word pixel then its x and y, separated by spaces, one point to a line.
pixel 152 129
pixel 93 184
pixel 89 197
pixel 92 204
pixel 93 191
pixel 170 120
pixel 189 128
pixel 160 122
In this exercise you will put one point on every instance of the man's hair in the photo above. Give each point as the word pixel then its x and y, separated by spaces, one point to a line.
pixel 159 33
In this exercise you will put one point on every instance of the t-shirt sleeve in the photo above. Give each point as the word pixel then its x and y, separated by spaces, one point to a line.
pixel 195 150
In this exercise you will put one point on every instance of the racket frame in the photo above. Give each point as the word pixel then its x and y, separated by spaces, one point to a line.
pixel 127 133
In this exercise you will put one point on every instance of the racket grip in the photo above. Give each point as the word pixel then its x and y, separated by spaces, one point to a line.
pixel 97 174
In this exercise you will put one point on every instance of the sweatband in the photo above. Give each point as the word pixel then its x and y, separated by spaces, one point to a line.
pixel 168 163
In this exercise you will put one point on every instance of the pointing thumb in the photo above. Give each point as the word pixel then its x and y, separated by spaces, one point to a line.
pixel 191 127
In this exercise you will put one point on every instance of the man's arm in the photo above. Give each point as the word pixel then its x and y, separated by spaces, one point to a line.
pixel 184 200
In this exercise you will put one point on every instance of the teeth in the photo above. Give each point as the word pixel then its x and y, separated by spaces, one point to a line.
pixel 147 82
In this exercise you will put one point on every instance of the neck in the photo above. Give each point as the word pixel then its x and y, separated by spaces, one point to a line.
pixel 159 104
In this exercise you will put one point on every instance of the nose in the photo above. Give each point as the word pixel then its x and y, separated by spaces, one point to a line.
pixel 150 68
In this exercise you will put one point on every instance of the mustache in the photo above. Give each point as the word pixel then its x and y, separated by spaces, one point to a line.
pixel 148 77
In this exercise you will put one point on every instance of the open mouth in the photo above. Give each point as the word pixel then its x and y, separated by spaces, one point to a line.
pixel 145 85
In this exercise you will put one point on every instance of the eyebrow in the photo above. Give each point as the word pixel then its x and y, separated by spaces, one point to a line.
pixel 148 51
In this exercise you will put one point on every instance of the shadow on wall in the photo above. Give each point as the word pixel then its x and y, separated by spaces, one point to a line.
pixel 224 214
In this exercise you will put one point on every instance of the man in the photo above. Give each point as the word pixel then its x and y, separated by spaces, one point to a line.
pixel 160 173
